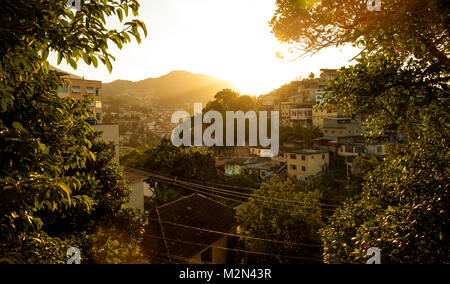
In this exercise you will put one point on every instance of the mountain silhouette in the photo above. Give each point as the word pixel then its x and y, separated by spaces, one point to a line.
pixel 171 89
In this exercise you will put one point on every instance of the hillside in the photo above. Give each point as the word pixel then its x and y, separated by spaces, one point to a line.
pixel 170 89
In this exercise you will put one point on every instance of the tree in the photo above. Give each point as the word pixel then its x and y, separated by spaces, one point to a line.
pixel 109 232
pixel 174 161
pixel 46 144
pixel 297 221
pixel 401 82
pixel 410 27
pixel 403 209
pixel 229 100
pixel 299 133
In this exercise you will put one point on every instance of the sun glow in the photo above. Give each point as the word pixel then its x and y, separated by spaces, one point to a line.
pixel 230 40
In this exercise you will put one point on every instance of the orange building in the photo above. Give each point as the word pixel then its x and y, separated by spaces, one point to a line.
pixel 79 88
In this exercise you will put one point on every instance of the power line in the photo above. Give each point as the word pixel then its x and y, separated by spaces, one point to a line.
pixel 248 195
pixel 205 191
pixel 241 201
pixel 175 182
pixel 240 250
pixel 229 186
pixel 235 235
pixel 165 260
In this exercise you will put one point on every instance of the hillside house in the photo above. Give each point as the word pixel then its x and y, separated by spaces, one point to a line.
pixel 183 232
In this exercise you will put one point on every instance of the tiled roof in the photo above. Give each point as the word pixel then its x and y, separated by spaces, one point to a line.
pixel 193 211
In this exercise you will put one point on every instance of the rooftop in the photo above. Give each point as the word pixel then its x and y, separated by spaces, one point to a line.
pixel 245 161
pixel 191 211
pixel 307 151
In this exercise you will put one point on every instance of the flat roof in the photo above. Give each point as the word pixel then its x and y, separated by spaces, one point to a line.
pixel 308 151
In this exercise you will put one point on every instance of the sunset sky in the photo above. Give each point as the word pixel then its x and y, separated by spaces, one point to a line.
pixel 228 39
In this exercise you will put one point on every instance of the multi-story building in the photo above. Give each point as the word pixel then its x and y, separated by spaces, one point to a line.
pixel 350 148
pixel 341 127
pixel 327 75
pixel 307 95
pixel 80 89
pixel 305 164
pixel 319 114
pixel 301 115
pixel 295 113
pixel 286 113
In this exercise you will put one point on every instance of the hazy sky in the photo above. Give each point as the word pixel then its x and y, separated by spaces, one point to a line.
pixel 228 39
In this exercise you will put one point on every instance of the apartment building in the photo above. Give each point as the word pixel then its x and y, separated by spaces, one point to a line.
pixel 80 89
pixel 327 75
pixel 307 95
pixel 305 164
pixel 341 127
pixel 286 113
pixel 318 116
pixel 301 115
pixel 295 113
pixel 353 149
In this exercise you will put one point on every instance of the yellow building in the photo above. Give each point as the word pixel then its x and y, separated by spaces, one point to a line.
pixel 318 115
pixel 304 165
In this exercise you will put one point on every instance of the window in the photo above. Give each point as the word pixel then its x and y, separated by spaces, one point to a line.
pixel 293 156
pixel 304 169
pixel 98 116
pixel 98 104
pixel 90 90
pixel 76 89
pixel 293 167
pixel 306 178
pixel 312 157
pixel 97 92
pixel 303 158
pixel 323 156
pixel 206 256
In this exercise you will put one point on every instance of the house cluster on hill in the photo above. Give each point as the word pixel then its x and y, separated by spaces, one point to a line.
pixel 185 231
pixel 300 104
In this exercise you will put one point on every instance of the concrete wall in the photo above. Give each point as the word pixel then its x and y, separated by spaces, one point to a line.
pixel 137 196
pixel 219 256
pixel 110 134
pixel 340 127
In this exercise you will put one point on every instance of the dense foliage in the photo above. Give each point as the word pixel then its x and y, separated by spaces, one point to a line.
pixel 178 162
pixel 401 82
pixel 51 168
pixel 280 211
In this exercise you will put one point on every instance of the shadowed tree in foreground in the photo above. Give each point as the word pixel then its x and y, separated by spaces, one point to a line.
pixel 401 81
